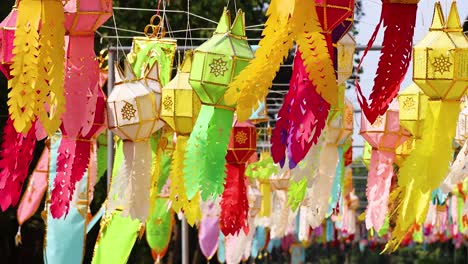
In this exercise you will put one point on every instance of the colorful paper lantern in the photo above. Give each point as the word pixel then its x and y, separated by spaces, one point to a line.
pixel 84 16
pixel 234 202
pixel 345 58
pixel 154 47
pixel 286 19
pixel 133 114
pixel 438 64
pixel 413 104
pixel 39 26
pixel 180 108
pixel 385 135
pixel 215 64
pixel 395 55
pixel 7 35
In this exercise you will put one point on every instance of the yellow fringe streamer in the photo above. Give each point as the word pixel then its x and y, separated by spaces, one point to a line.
pixel 287 20
pixel 177 194
pixel 38 66
pixel 424 169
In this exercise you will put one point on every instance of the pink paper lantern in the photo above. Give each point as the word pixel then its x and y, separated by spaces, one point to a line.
pixel 7 35
pixel 85 16
pixel 385 135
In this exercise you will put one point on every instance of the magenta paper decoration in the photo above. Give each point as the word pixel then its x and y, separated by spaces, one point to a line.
pixel 301 118
pixel 208 233
pixel 74 155
pixel 384 135
pixel 7 35
pixel 84 117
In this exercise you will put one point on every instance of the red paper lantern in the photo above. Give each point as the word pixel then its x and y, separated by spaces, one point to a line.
pixel 84 16
pixel 7 35
pixel 234 203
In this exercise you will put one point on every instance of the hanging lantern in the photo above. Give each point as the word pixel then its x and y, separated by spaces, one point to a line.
pixel 286 19
pixel 385 135
pixel 345 57
pixel 399 20
pixel 180 108
pixel 133 112
pixel 74 155
pixel 438 63
pixel 234 202
pixel 7 35
pixel 154 47
pixel 84 16
pixel 37 84
pixel 215 64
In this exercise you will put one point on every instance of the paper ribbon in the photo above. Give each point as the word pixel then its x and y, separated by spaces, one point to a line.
pixel 336 192
pixel 395 56
pixel 301 118
pixel 221 254
pixel 430 161
pixel 378 188
pixel 458 171
pixel 287 20
pixel 159 228
pixel 37 75
pixel 208 234
pixel 16 156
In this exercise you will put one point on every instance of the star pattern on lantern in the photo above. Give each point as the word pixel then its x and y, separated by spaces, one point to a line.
pixel 409 104
pixel 218 67
pixel 378 122
pixel 128 111
pixel 241 137
pixel 442 64
pixel 167 103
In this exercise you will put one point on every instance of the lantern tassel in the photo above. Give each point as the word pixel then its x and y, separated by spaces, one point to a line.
pixel 72 162
pixel 137 193
pixel 234 202
pixel 458 171
pixel 16 156
pixel 336 191
pixel 378 188
pixel 194 163
pixel 51 100
pixel 394 60
pixel 280 134
pixel 177 194
pixel 218 135
pixel 425 168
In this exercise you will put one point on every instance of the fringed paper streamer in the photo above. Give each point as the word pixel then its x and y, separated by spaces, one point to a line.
pixel 60 248
pixel 38 74
pixel 159 143
pixel 337 183
pixel 280 215
pixel 116 195
pixel 430 161
pixel 35 191
pixel 194 161
pixel 378 188
pixel 458 171
pixel 101 154
pixel 159 229
pixel 287 20
pixel 304 228
pixel 221 254
pixel 208 233
pixel 16 156
pixel 259 242
pixel 301 118
pixel 236 246
pixel 296 193
pixel 234 203
pixel 395 56
pixel 179 200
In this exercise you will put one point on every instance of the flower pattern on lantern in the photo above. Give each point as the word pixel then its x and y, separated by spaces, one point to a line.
pixel 421 173
pixel 384 139
pixel 135 129
pixel 215 64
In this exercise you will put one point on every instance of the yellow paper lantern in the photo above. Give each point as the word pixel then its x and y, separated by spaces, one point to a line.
pixel 346 49
pixel 413 103
pixel 404 150
pixel 340 120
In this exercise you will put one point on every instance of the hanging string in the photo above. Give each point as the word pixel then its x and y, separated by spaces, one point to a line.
pixel 118 43
pixel 158 8
pixel 188 33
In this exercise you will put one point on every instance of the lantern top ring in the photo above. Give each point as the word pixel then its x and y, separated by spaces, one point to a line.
pixel 153 30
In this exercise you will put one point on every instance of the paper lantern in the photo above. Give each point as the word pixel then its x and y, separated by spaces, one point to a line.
pixel 395 55
pixel 180 108
pixel 286 19
pixel 215 64
pixel 74 157
pixel 7 35
pixel 153 47
pixel 84 16
pixel 413 104
pixel 39 27
pixel 234 202
pixel 345 57
pixel 133 114
pixel 385 135
pixel 438 69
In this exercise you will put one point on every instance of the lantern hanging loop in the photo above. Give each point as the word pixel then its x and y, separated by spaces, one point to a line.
pixel 153 30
